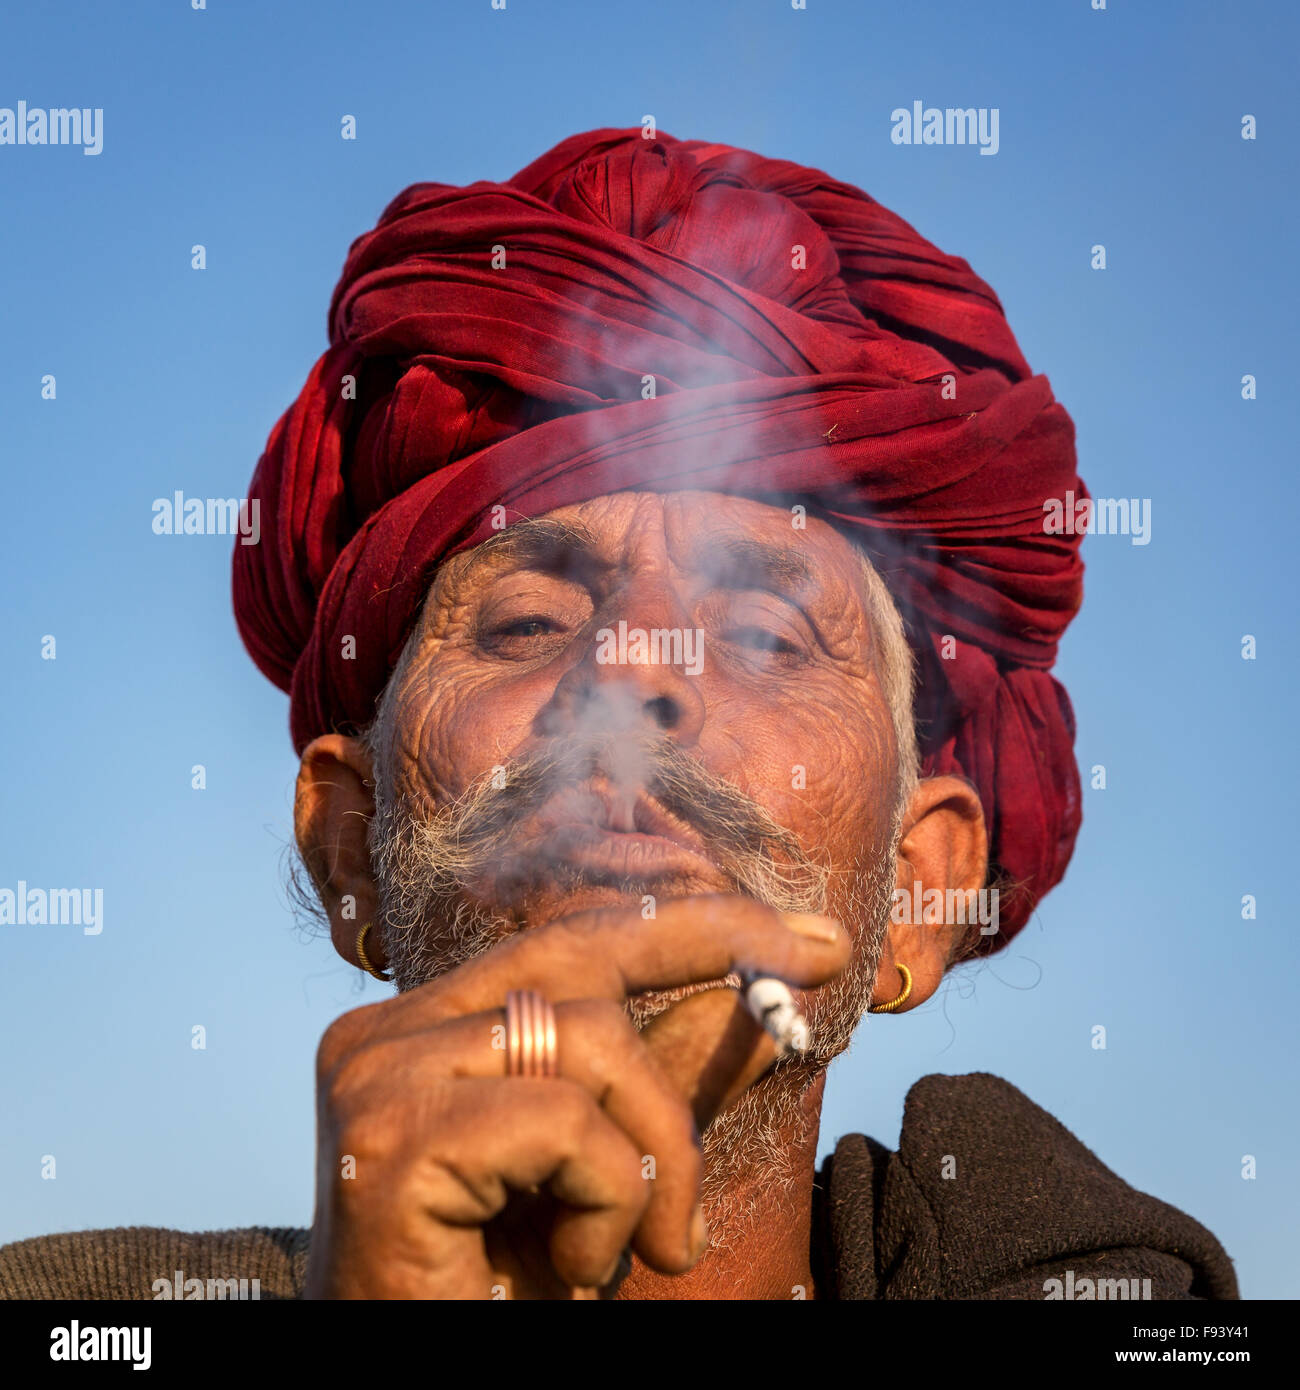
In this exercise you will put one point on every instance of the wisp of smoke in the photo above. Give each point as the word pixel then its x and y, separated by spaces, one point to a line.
pixel 444 881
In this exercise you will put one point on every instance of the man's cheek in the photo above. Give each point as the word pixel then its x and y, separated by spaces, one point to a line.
pixel 841 764
pixel 467 726
pixel 432 750
pixel 811 775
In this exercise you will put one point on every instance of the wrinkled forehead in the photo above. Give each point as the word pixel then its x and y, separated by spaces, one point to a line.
pixel 720 539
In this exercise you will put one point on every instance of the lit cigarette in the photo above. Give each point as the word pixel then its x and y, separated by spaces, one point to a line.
pixel 772 1005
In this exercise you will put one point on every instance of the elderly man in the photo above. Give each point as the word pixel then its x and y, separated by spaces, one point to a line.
pixel 656 563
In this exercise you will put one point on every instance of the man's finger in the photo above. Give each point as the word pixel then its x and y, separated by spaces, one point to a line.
pixel 613 953
pixel 599 1050
pixel 429 1199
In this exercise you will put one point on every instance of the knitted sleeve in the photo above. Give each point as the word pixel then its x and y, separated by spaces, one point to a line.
pixel 148 1262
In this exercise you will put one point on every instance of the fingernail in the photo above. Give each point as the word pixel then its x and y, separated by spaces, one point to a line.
pixel 814 925
pixel 699 1239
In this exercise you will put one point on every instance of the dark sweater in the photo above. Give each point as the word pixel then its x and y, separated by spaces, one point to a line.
pixel 1024 1203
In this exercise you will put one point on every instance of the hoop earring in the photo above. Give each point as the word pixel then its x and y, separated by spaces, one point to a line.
pixel 363 959
pixel 902 998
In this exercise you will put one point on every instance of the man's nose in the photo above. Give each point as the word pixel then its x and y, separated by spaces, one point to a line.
pixel 627 680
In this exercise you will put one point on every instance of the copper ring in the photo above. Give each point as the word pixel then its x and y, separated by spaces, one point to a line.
pixel 530 1035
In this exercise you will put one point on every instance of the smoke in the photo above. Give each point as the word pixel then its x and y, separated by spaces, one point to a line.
pixel 455 881
pixel 453 884
pixel 439 876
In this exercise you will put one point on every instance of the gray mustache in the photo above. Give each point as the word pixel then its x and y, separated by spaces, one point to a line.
pixel 724 817
pixel 474 836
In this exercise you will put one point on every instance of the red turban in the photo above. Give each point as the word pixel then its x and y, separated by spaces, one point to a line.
pixel 491 344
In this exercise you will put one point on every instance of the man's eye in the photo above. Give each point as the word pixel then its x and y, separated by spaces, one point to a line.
pixel 525 627
pixel 760 639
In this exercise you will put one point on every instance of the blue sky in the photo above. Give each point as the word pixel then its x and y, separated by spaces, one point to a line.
pixel 221 127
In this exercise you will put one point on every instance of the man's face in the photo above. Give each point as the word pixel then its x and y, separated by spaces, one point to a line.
pixel 746 746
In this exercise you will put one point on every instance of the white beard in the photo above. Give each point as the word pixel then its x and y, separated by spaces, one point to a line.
pixel 427 926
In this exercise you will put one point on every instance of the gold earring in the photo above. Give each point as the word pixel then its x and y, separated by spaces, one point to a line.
pixel 363 959
pixel 902 998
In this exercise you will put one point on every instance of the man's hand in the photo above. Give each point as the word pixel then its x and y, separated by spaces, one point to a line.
pixel 459 1178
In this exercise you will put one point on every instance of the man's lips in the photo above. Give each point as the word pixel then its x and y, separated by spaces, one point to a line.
pixel 601 826
pixel 623 852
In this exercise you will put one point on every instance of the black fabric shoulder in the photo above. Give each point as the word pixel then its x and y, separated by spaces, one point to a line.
pixel 990 1197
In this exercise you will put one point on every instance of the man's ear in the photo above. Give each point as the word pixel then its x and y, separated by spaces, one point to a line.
pixel 332 809
pixel 944 845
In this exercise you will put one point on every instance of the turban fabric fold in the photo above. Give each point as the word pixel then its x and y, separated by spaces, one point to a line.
pixel 490 346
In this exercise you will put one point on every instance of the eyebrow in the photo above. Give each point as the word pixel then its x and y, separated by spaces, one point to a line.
pixel 542 543
pixel 742 562
pixel 733 561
